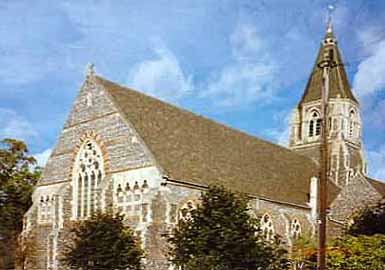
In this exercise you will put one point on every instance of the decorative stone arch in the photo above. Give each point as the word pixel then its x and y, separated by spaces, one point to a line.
pixel 90 164
pixel 295 228
pixel 267 227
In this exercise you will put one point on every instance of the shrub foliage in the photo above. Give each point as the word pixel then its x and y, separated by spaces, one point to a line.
pixel 103 242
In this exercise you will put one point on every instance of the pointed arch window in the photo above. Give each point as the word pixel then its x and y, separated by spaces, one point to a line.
pixel 186 209
pixel 267 227
pixel 352 116
pixel 88 174
pixel 295 229
pixel 314 124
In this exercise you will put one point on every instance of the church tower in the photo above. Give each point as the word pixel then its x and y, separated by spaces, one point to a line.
pixel 344 123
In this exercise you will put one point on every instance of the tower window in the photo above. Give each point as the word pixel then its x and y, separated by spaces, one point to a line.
pixel 318 127
pixel 314 124
pixel 311 128
pixel 351 123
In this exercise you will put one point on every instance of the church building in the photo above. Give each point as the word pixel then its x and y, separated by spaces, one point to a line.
pixel 124 151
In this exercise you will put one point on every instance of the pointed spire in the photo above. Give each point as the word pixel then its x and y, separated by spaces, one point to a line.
pixel 339 83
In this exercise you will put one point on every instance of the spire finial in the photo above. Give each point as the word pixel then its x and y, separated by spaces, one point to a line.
pixel 90 70
pixel 331 9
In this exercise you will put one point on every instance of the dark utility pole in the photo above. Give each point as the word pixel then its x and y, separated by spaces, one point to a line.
pixel 326 64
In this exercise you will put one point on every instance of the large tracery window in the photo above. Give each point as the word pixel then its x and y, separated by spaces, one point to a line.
pixel 267 227
pixel 314 124
pixel 88 174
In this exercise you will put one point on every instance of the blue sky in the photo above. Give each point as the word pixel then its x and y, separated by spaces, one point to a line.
pixel 243 63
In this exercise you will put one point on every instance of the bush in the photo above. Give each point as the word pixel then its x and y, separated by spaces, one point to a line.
pixel 103 243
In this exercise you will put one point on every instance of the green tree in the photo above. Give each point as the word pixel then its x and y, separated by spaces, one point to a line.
pixel 369 221
pixel 357 253
pixel 103 242
pixel 220 234
pixel 18 175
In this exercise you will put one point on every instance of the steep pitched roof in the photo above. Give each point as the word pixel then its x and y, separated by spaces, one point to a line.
pixel 378 185
pixel 338 80
pixel 198 150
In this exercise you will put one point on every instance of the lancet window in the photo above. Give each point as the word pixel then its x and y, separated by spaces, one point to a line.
pixel 351 123
pixel 88 174
pixel 267 227
pixel 186 209
pixel 314 124
pixel 45 209
pixel 128 196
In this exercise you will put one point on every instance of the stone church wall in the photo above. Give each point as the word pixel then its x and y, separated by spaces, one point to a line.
pixel 356 195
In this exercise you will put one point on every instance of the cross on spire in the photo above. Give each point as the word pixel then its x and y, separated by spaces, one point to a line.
pixel 331 9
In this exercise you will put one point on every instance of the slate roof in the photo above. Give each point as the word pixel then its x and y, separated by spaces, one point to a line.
pixel 195 149
pixel 378 185
pixel 333 192
pixel 338 80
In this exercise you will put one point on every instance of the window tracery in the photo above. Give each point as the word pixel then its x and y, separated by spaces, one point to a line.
pixel 295 230
pixel 88 174
pixel 267 227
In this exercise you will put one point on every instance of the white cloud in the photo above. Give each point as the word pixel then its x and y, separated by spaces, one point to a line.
pixel 370 78
pixel 246 43
pixel 240 84
pixel 26 47
pixel 281 134
pixel 42 157
pixel 376 162
pixel 162 77
pixel 248 78
pixel 14 126
pixel 375 114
